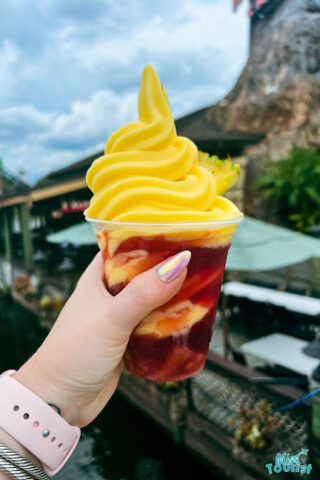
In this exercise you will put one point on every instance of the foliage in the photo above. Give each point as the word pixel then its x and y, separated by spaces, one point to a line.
pixel 255 425
pixel 292 186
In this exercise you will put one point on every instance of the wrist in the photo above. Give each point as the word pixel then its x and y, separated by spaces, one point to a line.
pixel 35 375
pixel 10 442
pixel 30 421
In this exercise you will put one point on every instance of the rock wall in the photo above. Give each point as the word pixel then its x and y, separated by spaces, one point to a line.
pixel 278 93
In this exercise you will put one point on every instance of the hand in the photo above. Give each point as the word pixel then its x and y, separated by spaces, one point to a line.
pixel 79 364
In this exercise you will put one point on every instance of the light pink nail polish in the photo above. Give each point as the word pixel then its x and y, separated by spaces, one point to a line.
pixel 172 268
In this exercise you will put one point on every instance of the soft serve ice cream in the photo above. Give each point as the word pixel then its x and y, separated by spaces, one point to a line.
pixel 149 174
pixel 151 192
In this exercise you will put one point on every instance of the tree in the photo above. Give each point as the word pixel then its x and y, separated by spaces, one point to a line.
pixel 292 187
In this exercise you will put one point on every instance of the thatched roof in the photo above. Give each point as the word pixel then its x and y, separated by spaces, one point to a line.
pixel 210 137
pixel 197 127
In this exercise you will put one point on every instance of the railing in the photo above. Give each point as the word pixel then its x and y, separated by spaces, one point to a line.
pixel 215 394
pixel 198 413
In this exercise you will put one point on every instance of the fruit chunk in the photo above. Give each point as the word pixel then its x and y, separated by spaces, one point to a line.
pixel 123 267
pixel 172 320
pixel 225 172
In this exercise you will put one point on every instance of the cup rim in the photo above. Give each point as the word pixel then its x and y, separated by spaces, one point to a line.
pixel 192 225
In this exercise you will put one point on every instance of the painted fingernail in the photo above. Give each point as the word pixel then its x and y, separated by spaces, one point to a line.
pixel 172 268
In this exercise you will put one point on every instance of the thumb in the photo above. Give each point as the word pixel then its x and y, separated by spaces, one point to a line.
pixel 148 291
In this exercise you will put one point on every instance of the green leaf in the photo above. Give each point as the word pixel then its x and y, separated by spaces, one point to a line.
pixel 314 195
pixel 292 188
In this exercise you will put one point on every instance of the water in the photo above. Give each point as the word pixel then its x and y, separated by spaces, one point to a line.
pixel 122 444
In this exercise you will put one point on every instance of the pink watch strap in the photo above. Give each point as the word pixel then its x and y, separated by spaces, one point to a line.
pixel 34 424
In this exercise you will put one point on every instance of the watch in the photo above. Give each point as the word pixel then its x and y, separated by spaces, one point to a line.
pixel 35 425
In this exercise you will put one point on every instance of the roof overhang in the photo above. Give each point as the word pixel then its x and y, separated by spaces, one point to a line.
pixel 43 193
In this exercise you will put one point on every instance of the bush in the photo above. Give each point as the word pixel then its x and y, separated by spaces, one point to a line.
pixel 292 186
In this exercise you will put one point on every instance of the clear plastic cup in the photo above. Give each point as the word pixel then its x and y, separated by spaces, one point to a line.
pixel 172 342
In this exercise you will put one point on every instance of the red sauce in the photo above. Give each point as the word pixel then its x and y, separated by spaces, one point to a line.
pixel 182 354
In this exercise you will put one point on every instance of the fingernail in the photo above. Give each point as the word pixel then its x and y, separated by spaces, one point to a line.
pixel 172 268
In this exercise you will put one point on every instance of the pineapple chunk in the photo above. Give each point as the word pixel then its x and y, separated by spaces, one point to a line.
pixel 225 172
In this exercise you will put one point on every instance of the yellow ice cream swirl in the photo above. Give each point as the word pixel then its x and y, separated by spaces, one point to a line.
pixel 149 174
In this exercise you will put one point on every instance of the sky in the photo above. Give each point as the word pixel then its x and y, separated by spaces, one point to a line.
pixel 70 69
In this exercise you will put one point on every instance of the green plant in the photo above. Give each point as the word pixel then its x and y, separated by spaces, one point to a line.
pixel 292 186
pixel 255 425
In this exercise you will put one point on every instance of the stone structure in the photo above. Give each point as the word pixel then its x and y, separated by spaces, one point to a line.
pixel 278 92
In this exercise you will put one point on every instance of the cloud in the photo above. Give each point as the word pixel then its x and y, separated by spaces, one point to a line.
pixel 21 126
pixel 70 71
pixel 54 140
pixel 8 57
pixel 21 159
pixel 90 121
pixel 24 117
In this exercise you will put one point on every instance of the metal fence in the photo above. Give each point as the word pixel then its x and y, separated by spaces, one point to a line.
pixel 222 386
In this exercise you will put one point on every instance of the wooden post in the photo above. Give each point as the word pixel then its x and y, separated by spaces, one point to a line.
pixel 7 236
pixel 24 217
pixel 2 233
pixel 315 273
pixel 7 229
pixel 288 279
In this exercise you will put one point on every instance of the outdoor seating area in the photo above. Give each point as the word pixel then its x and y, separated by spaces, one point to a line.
pixel 275 346
pixel 289 301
